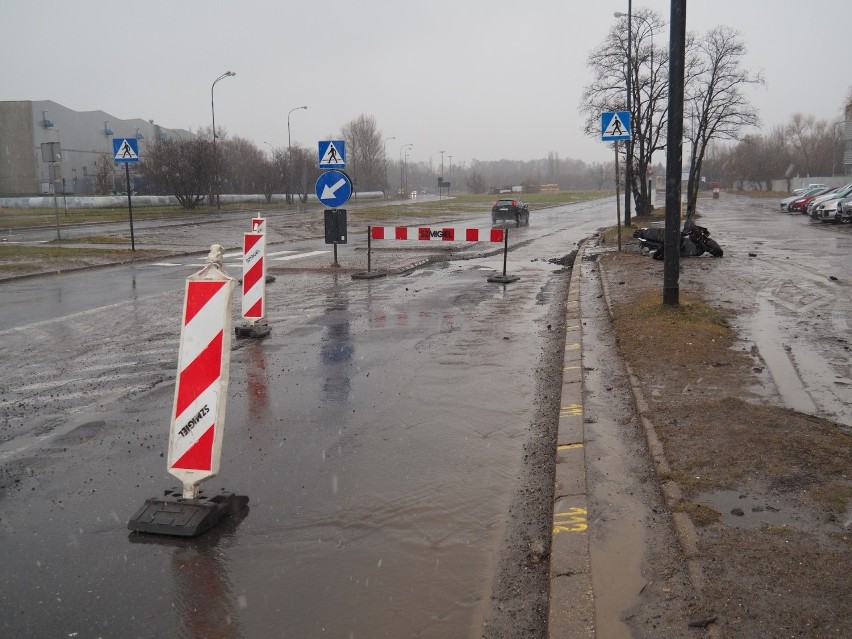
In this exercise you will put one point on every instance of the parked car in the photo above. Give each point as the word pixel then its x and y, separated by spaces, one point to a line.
pixel 844 211
pixel 510 210
pixel 824 207
pixel 801 205
pixel 838 194
pixel 787 201
pixel 801 190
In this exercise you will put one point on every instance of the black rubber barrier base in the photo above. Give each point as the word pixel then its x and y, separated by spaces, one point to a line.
pixel 503 279
pixel 367 275
pixel 252 330
pixel 174 515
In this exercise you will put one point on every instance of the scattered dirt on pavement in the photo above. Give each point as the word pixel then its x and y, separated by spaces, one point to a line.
pixel 767 489
pixel 519 597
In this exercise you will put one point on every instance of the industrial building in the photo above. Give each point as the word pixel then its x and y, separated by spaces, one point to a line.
pixel 83 138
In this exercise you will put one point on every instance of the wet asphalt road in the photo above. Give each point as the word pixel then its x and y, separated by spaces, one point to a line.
pixel 787 278
pixel 378 433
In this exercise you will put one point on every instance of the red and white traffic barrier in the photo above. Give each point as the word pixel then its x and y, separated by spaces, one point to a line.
pixel 198 415
pixel 254 276
pixel 443 234
pixel 258 225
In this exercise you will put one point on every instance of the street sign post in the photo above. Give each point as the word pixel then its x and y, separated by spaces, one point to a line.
pixel 615 125
pixel 334 188
pixel 332 154
pixel 125 151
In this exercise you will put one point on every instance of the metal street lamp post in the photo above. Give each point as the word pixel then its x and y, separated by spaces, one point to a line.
pixel 402 169
pixel 834 143
pixel 288 123
pixel 386 162
pixel 441 181
pixel 405 164
pixel 227 74
pixel 628 169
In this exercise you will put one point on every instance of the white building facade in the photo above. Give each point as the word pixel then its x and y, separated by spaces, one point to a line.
pixel 84 137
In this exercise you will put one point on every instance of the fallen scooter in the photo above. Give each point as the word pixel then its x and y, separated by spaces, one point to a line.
pixel 695 240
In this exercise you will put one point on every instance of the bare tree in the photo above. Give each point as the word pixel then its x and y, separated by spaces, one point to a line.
pixel 475 181
pixel 302 171
pixel 649 93
pixel 600 173
pixel 272 174
pixel 181 167
pixel 716 107
pixel 365 153
pixel 104 174
pixel 240 165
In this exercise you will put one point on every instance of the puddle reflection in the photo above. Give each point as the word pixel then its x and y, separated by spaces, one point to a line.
pixel 205 602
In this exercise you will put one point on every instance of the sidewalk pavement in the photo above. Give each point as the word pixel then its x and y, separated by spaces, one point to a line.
pixel 572 600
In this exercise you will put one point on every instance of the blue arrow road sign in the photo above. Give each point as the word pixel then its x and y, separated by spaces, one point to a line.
pixel 125 150
pixel 332 154
pixel 615 125
pixel 334 188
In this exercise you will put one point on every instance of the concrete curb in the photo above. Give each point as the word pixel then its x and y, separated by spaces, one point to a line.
pixel 571 612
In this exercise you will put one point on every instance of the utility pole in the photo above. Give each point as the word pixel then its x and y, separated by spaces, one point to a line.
pixel 674 153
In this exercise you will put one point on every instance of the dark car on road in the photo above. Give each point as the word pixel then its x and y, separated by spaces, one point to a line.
pixel 510 210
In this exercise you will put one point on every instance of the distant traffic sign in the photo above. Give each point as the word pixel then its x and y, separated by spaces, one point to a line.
pixel 334 188
pixel 332 154
pixel 125 150
pixel 615 125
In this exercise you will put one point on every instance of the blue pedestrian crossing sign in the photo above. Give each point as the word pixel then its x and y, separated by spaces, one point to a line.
pixel 125 150
pixel 334 188
pixel 615 125
pixel 332 154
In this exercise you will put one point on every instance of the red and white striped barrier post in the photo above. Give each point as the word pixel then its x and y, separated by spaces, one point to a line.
pixel 198 412
pixel 195 440
pixel 254 286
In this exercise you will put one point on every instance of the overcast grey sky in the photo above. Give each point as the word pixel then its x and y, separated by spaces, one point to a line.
pixel 483 79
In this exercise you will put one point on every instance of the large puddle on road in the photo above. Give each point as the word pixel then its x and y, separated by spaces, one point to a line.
pixel 770 343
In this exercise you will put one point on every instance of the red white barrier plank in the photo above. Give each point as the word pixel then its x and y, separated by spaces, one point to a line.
pixel 442 234
pixel 198 415
pixel 254 276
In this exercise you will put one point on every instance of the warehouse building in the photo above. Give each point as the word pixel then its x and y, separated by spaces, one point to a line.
pixel 81 140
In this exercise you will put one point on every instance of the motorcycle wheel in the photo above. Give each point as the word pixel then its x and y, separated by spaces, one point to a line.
pixel 712 247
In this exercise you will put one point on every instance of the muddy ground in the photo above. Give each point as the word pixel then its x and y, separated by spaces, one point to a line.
pixel 766 489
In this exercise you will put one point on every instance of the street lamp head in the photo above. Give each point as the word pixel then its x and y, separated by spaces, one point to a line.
pixel 230 73
pixel 618 14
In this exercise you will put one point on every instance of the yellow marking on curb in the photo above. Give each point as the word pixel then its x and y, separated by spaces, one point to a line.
pixel 573 367
pixel 572 347
pixel 569 446
pixel 573 520
pixel 572 328
pixel 571 409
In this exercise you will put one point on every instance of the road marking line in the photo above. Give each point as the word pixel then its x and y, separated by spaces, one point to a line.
pixel 300 255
